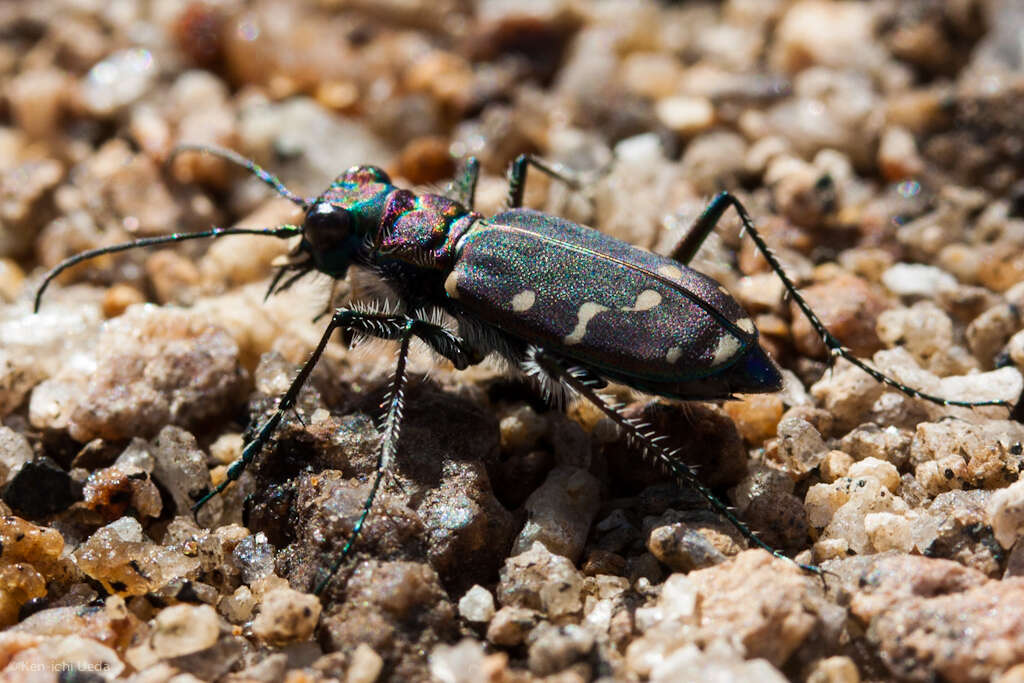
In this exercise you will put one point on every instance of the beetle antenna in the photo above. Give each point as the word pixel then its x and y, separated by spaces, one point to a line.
pixel 237 159
pixel 281 232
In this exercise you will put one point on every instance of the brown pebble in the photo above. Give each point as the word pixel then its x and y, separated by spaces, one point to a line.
pixel 756 416
pixel 19 583
pixel 11 279
pixel 849 307
pixel 751 596
pixel 286 615
pixel 118 298
pixel 199 32
pixel 173 277
pixel 932 616
pixel 426 160
pixel 509 626
pixel 113 490
pixel 23 541
pixel 603 562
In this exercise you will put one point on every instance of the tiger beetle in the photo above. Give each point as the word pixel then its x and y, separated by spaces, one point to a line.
pixel 562 303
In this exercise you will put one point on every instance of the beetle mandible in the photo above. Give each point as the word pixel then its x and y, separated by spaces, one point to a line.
pixel 567 305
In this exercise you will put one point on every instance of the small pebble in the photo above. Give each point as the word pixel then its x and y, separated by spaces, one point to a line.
pixel 119 298
pixel 916 280
pixel 37 98
pixel 118 80
pixel 849 307
pixel 184 629
pixel 239 606
pixel 542 581
pixel 553 648
pixel 800 447
pixel 1006 510
pixel 286 615
pixel 756 415
pixel 459 663
pixel 38 488
pixel 366 665
pixel 839 669
pixel 521 428
pixel 835 464
pixel 15 451
pixel 989 332
pixel 560 512
pixel 884 472
pixel 477 605
pixel 685 115
pixel 12 277
pixel 683 549
pixel 121 558
pixel 829 33
pixel 254 556
pixel 898 157
pixel 510 625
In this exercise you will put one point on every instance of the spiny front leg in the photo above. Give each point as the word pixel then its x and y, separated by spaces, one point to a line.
pixel 381 325
pixel 385 454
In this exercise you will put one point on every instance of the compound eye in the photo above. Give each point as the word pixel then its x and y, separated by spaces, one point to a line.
pixel 327 227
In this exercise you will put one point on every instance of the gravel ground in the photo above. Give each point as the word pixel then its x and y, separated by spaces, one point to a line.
pixel 878 146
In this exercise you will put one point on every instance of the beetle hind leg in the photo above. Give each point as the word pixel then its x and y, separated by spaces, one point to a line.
pixel 585 383
pixel 707 221
pixel 547 373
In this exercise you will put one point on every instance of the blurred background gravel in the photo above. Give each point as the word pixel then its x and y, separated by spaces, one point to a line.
pixel 880 148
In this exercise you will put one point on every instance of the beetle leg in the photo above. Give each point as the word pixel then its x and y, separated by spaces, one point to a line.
pixel 703 226
pixel 587 384
pixel 517 177
pixel 463 188
pixel 370 323
pixel 687 248
pixel 385 455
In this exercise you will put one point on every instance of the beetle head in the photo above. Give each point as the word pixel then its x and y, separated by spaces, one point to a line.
pixel 329 237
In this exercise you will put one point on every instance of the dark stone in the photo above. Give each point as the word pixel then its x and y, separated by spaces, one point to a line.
pixel 40 488
pixel 436 504
pixel 706 439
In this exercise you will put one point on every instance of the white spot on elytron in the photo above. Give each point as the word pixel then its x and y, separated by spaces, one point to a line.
pixel 746 324
pixel 451 284
pixel 587 311
pixel 673 354
pixel 647 300
pixel 524 300
pixel 673 272
pixel 727 347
